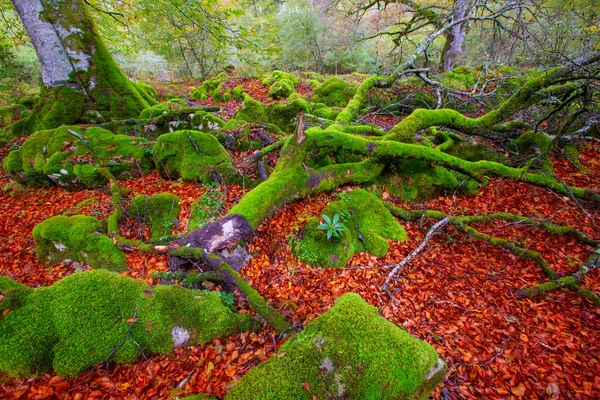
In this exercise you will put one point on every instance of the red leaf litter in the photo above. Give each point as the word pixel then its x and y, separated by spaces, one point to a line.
pixel 459 295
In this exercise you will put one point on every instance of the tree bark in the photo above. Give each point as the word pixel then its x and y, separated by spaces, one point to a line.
pixel 453 48
pixel 78 72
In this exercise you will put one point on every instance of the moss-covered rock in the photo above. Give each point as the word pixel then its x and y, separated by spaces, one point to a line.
pixel 284 116
pixel 416 180
pixel 71 156
pixel 334 92
pixel 192 156
pixel 281 89
pixel 367 224
pixel 350 352
pixel 163 108
pixel 160 211
pixel 78 238
pixel 251 111
pixel 238 93
pixel 213 87
pixel 91 317
pixel 276 76
pixel 323 111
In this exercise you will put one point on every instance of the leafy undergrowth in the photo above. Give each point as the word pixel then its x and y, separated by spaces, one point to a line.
pixel 459 295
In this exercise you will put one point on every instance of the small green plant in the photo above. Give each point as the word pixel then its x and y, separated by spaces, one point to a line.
pixel 333 226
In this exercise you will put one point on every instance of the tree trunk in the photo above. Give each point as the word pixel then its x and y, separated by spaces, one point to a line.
pixel 455 37
pixel 80 79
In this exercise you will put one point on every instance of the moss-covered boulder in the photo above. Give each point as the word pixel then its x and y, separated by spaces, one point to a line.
pixel 160 211
pixel 276 76
pixel 281 89
pixel 334 92
pixel 284 115
pixel 78 238
pixel 350 352
pixel 71 156
pixel 99 316
pixel 238 93
pixel 251 111
pixel 192 156
pixel 214 88
pixel 367 225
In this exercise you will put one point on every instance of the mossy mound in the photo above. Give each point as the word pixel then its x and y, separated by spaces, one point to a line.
pixel 323 111
pixel 12 113
pixel 192 156
pixel 238 93
pixel 71 156
pixel 334 92
pixel 462 77
pixel 213 87
pixel 276 76
pixel 160 211
pixel 79 238
pixel 416 180
pixel 281 89
pixel 91 317
pixel 284 116
pixel 163 108
pixel 251 111
pixel 367 224
pixel 350 352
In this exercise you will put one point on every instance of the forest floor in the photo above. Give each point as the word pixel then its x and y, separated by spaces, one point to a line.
pixel 459 295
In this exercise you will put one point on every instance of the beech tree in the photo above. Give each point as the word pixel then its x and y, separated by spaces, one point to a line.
pixel 81 82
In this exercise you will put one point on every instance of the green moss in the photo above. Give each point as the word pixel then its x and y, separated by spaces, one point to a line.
pixel 284 116
pixel 323 111
pixel 148 92
pixel 238 93
pixel 163 108
pixel 192 156
pixel 276 76
pixel 251 111
pixel 281 89
pixel 533 142
pixel 334 92
pixel 72 157
pixel 315 249
pixel 367 225
pixel 160 211
pixel 79 238
pixel 416 180
pixel 212 87
pixel 84 319
pixel 348 352
pixel 206 122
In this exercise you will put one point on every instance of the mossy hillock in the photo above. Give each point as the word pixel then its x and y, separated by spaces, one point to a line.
pixel 99 316
pixel 160 211
pixel 281 89
pixel 349 352
pixel 72 156
pixel 367 225
pixel 334 92
pixel 251 111
pixel 277 76
pixel 192 156
pixel 285 115
pixel 214 88
pixel 79 238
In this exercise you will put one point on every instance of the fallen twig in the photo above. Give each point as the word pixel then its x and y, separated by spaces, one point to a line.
pixel 413 253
